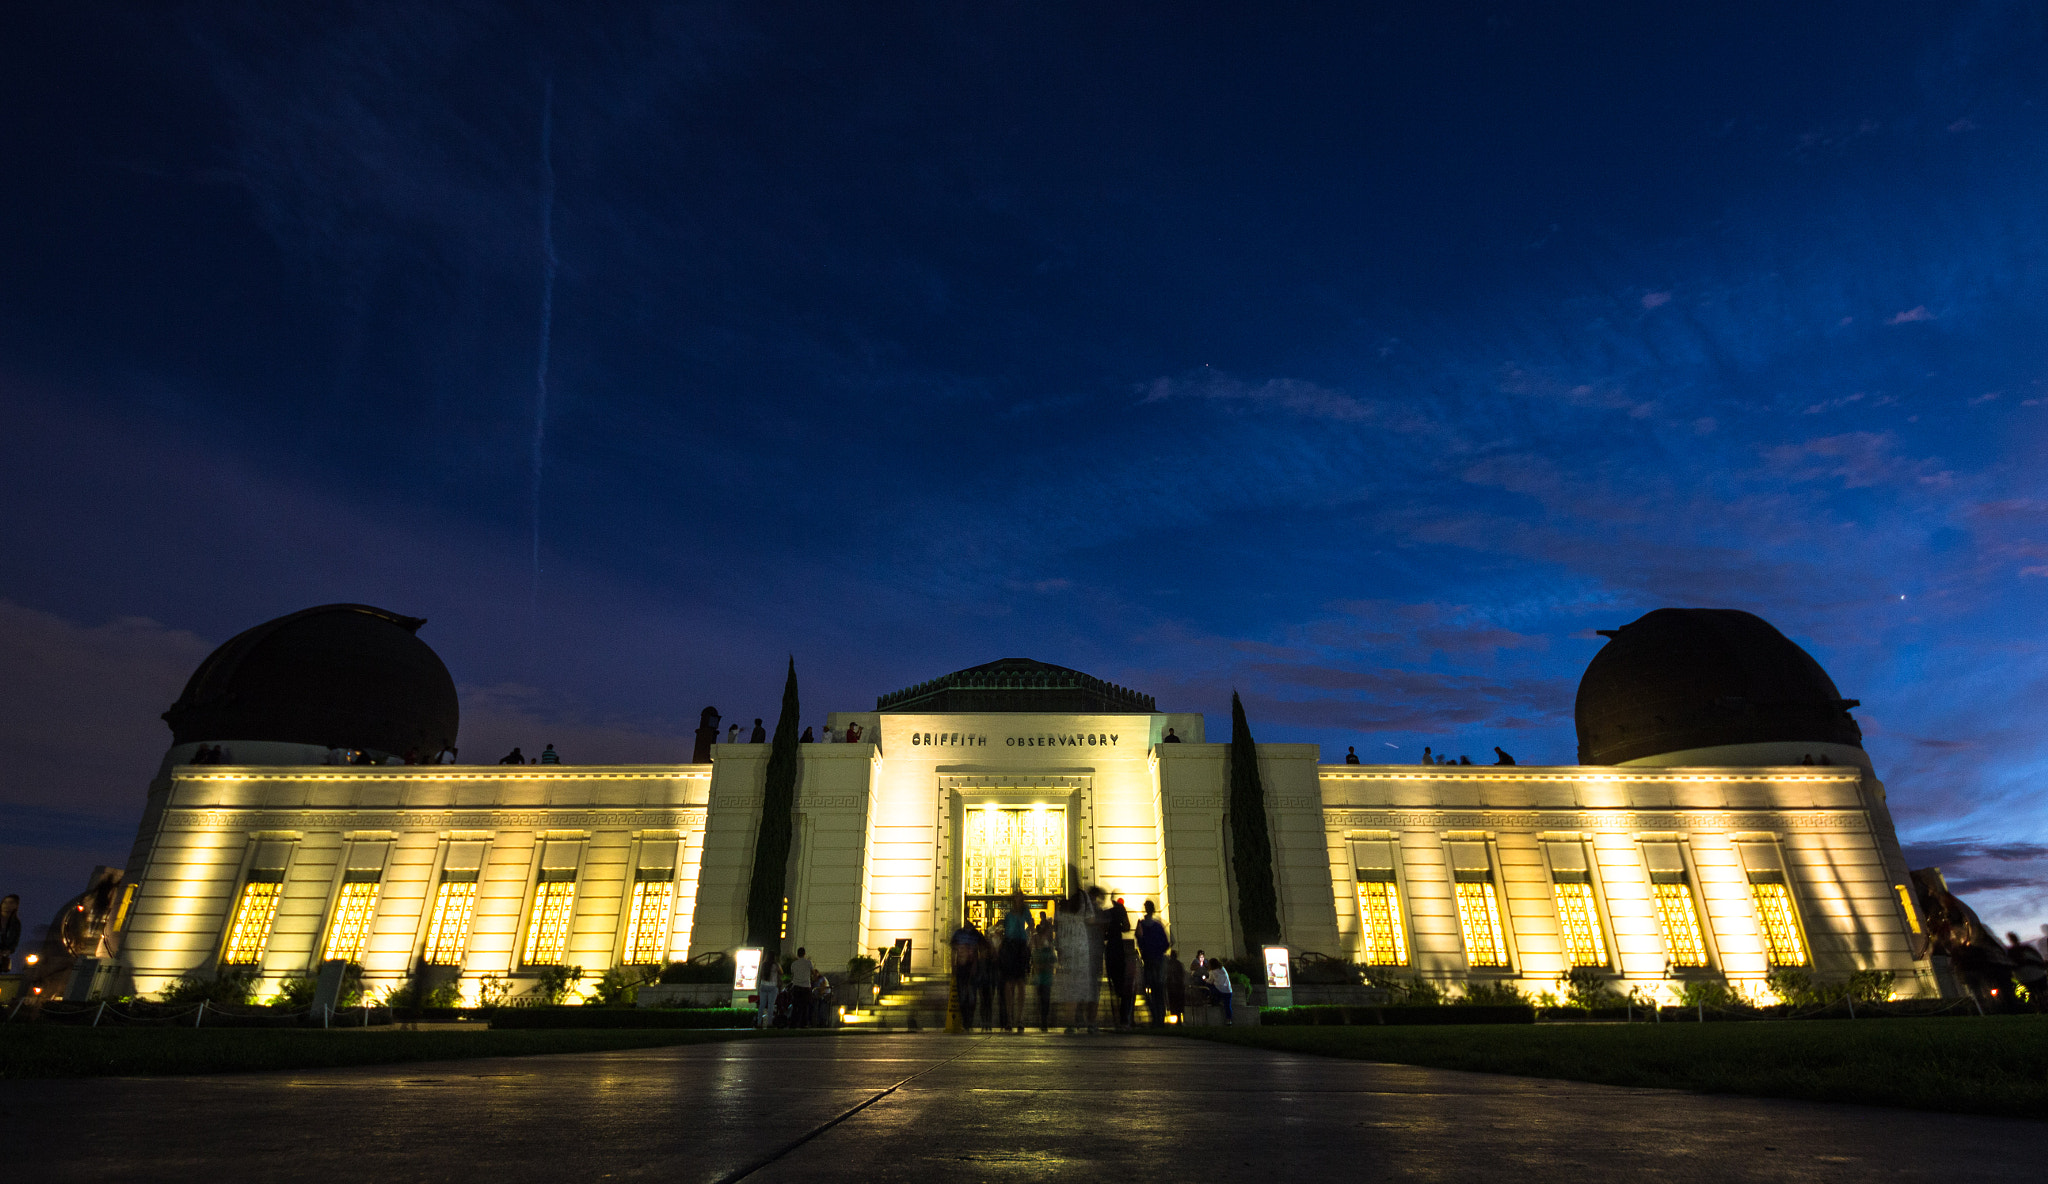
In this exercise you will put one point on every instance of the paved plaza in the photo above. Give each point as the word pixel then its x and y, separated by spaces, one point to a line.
pixel 930 1107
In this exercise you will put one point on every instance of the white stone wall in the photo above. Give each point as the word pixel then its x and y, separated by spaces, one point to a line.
pixel 204 825
pixel 1841 861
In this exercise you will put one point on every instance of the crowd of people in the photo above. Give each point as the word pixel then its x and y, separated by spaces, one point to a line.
pixel 1066 957
pixel 797 996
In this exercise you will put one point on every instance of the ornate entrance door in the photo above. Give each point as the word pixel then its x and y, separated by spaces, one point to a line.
pixel 1006 849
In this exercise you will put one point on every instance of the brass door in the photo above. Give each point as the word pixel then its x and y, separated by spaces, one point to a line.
pixel 1005 849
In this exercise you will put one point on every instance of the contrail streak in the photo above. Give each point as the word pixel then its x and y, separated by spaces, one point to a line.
pixel 547 316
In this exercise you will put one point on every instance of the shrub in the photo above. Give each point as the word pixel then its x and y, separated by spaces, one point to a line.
pixel 297 990
pixel 554 982
pixel 1871 986
pixel 1794 985
pixel 618 986
pixel 230 985
pixel 1706 992
pixel 860 969
pixel 493 990
pixel 713 967
pixel 1588 987
pixel 442 994
pixel 1414 991
pixel 1497 993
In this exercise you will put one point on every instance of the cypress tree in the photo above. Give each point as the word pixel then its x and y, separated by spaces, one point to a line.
pixel 771 845
pixel 1251 848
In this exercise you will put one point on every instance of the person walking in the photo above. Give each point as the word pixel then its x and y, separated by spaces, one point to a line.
pixel 966 943
pixel 1044 957
pixel 1074 979
pixel 1014 960
pixel 1152 945
pixel 765 988
pixel 1219 982
pixel 1116 922
pixel 800 974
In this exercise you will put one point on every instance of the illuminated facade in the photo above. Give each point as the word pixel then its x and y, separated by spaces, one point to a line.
pixel 1650 871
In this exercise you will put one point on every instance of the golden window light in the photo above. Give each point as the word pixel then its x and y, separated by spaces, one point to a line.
pixel 547 933
pixel 448 925
pixel 249 932
pixel 1780 923
pixel 1384 939
pixel 1479 920
pixel 1579 919
pixel 1679 919
pixel 350 931
pixel 647 925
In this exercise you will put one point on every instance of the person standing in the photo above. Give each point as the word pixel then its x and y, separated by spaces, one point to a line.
pixel 1152 945
pixel 1176 987
pixel 732 734
pixel 800 974
pixel 1044 957
pixel 1074 981
pixel 966 944
pixel 1351 754
pixel 760 735
pixel 1116 922
pixel 1014 960
pixel 765 985
pixel 10 930
pixel 548 756
pixel 1219 982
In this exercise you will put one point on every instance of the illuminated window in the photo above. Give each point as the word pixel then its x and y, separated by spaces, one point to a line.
pixel 1678 917
pixel 547 933
pixel 448 927
pixel 1906 903
pixel 652 904
pixel 1578 914
pixel 1006 849
pixel 1382 938
pixel 257 908
pixel 1780 923
pixel 1775 913
pixel 647 924
pixel 350 931
pixel 1486 945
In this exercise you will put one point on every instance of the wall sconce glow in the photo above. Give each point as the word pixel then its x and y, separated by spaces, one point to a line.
pixel 1278 971
pixel 746 971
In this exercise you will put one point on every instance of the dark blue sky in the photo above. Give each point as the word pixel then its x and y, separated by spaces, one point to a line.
pixel 1364 359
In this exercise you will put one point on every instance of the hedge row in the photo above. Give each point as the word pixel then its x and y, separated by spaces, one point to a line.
pixel 623 1017
pixel 1330 1013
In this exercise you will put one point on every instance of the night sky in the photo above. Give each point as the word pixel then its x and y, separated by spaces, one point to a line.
pixel 1362 358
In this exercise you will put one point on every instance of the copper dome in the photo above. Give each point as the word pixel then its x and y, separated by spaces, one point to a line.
pixel 337 676
pixel 1685 678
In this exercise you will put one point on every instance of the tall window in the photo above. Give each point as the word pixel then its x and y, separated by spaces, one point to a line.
pixel 1775 914
pixel 1486 945
pixel 256 906
pixel 448 927
pixel 249 931
pixel 348 934
pixel 1383 939
pixel 350 931
pixel 454 904
pixel 1578 914
pixel 554 904
pixel 652 904
pixel 547 934
pixel 1678 916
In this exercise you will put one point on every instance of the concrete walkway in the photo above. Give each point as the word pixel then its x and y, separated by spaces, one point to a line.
pixel 925 1107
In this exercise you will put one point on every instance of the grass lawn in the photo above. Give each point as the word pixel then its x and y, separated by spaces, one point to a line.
pixel 1996 1065
pixel 48 1050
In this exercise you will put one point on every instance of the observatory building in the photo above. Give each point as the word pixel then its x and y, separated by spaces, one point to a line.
pixel 1723 820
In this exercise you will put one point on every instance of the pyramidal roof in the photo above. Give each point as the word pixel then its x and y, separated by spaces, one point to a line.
pixel 1017 684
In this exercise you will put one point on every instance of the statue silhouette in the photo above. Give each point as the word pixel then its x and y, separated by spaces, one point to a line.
pixel 707 735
